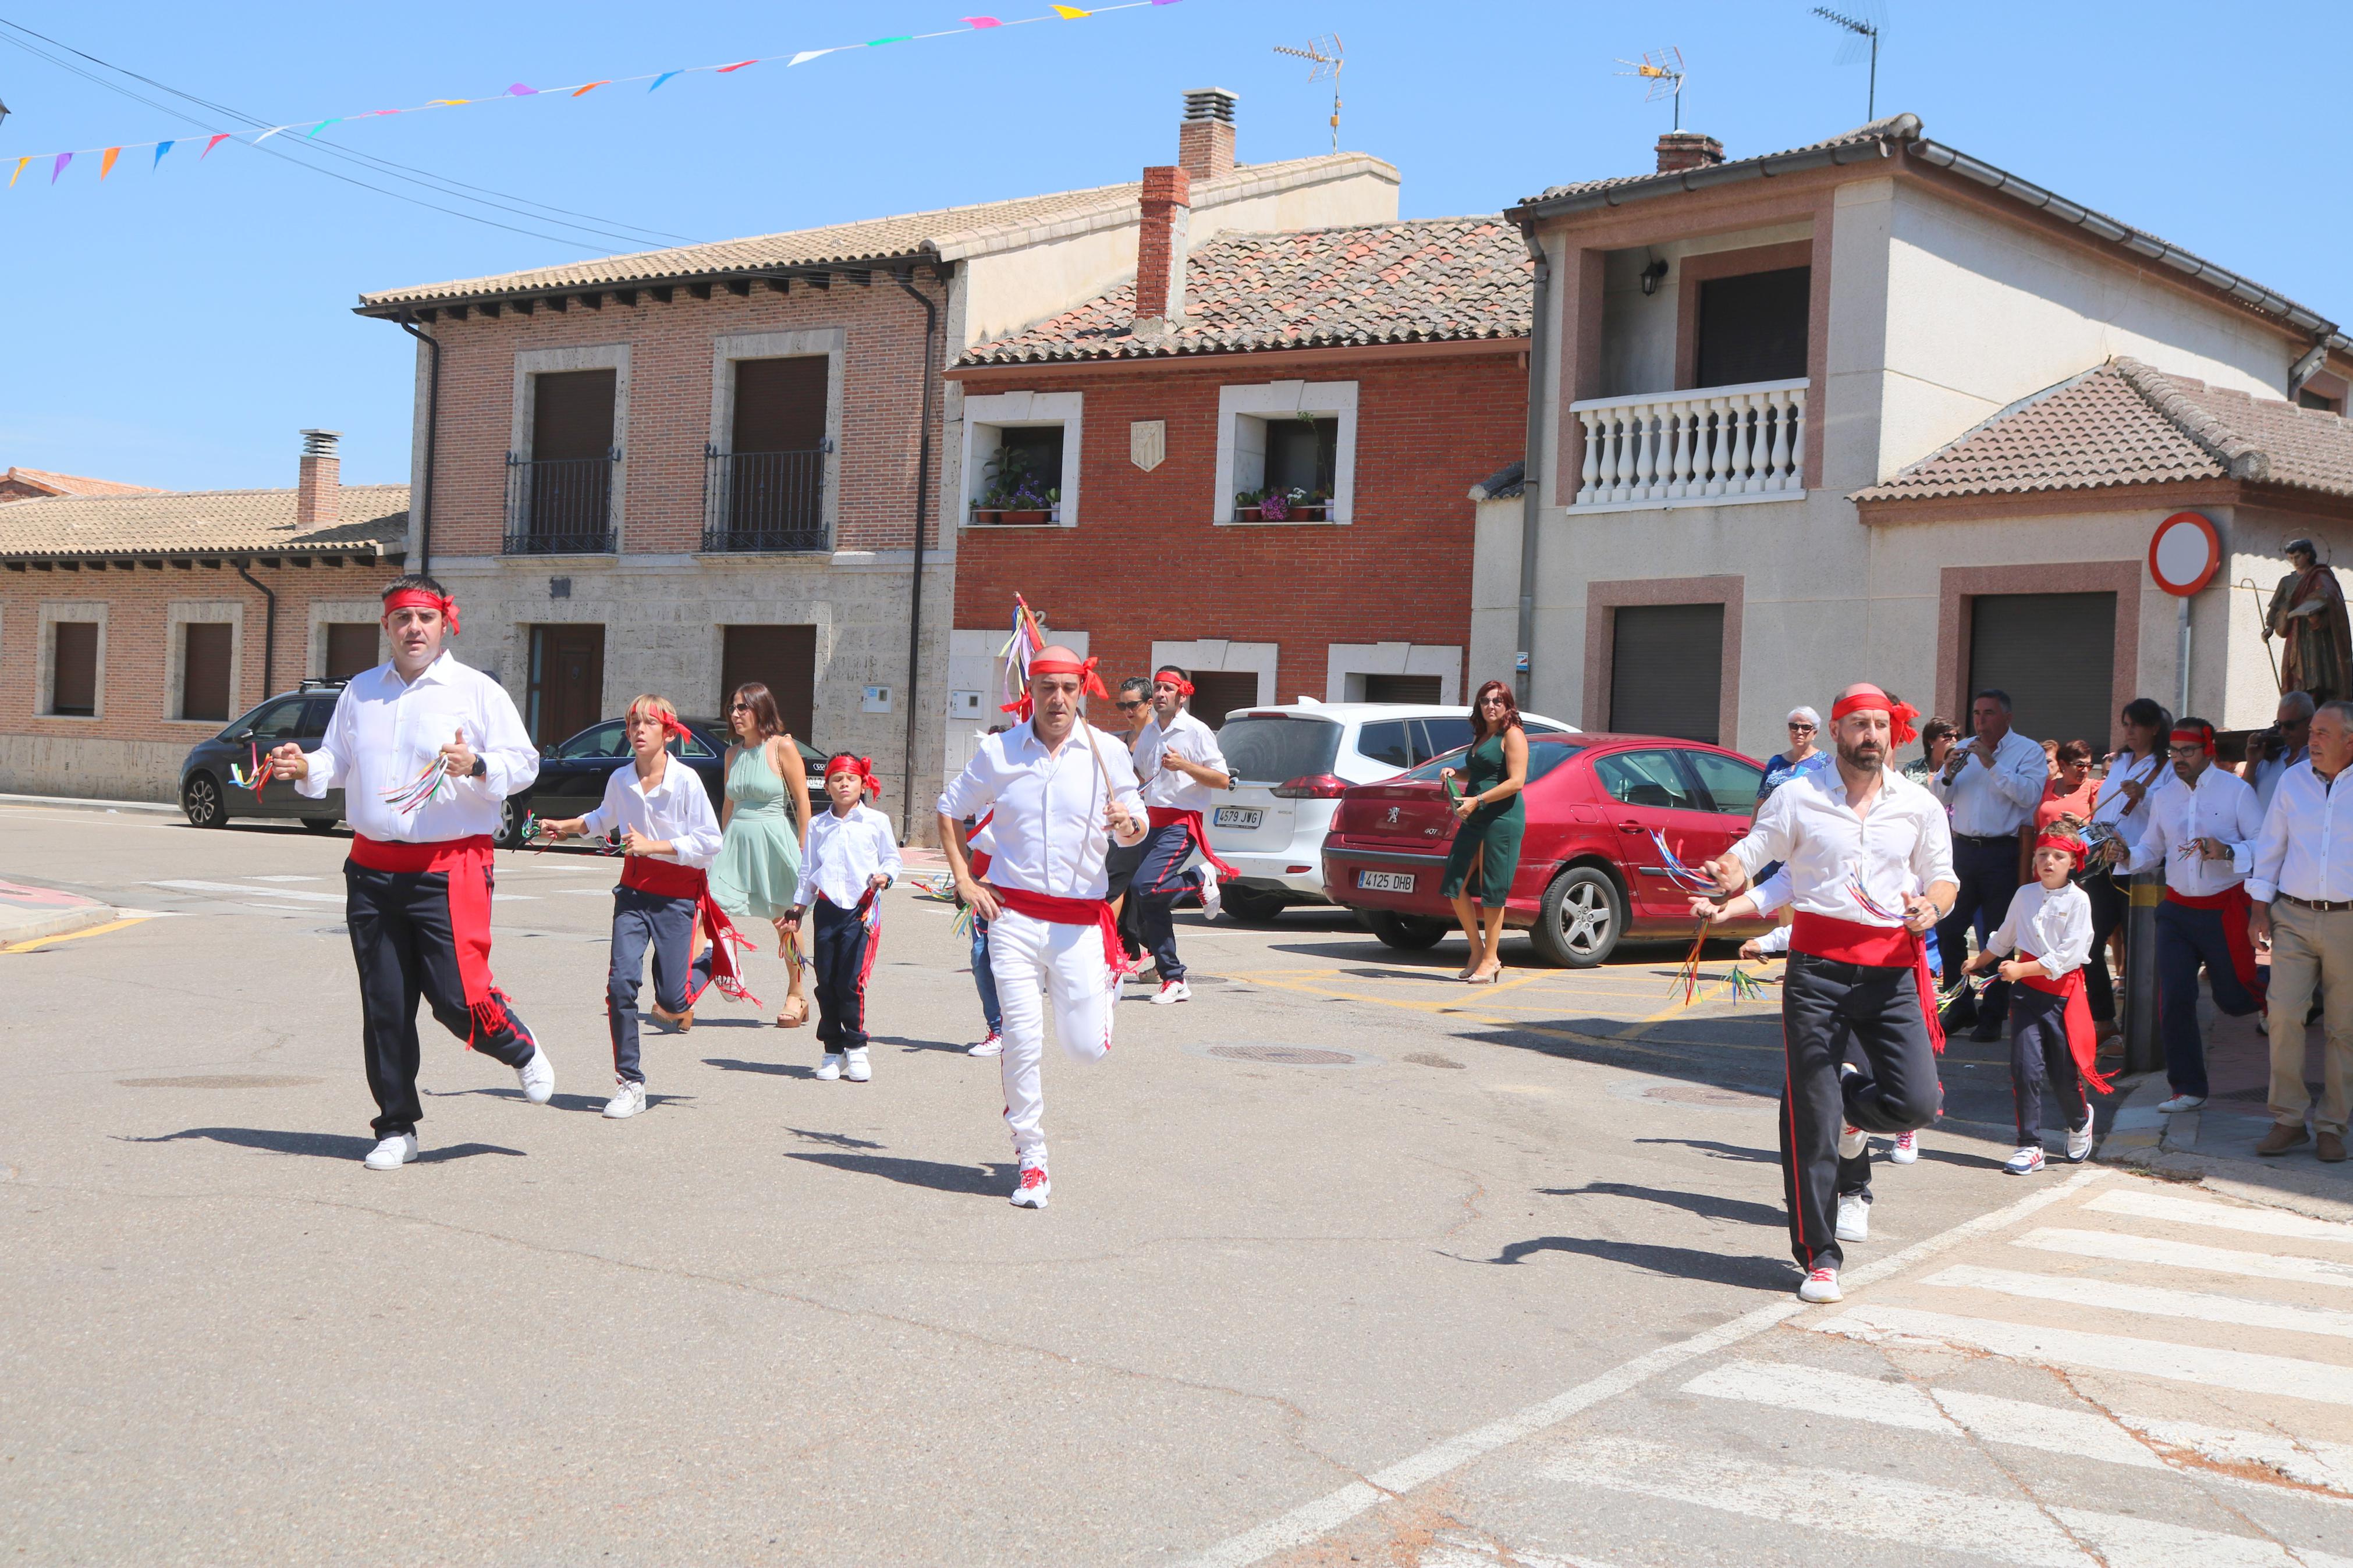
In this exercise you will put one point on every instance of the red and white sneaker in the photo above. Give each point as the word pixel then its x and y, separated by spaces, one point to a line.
pixel 1852 1141
pixel 1906 1150
pixel 1034 1189
pixel 1822 1286
pixel 992 1046
pixel 1172 991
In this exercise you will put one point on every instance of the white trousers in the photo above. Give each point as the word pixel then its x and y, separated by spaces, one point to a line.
pixel 1065 963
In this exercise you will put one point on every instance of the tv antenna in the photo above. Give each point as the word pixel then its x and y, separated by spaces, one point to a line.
pixel 1865 31
pixel 1324 56
pixel 1663 69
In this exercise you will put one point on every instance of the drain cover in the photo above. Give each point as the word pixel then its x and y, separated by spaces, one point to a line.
pixel 1290 1055
pixel 219 1080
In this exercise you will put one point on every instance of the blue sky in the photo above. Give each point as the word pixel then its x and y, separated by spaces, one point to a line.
pixel 176 327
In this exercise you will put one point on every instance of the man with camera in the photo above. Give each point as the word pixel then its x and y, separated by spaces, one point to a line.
pixel 1991 786
pixel 2271 752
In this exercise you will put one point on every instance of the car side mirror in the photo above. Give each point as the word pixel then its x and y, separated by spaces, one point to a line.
pixel 242 735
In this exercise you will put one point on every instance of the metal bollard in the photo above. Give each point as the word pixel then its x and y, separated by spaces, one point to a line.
pixel 2143 1052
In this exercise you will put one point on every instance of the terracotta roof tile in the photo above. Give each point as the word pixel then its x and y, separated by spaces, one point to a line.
pixel 1431 280
pixel 2126 423
pixel 74 484
pixel 1890 127
pixel 200 522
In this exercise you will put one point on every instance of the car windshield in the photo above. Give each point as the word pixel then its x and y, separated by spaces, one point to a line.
pixel 1273 749
pixel 1542 757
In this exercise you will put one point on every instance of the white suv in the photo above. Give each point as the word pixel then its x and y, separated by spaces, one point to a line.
pixel 1290 765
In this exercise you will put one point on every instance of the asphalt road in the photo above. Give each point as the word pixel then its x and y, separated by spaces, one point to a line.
pixel 1312 1228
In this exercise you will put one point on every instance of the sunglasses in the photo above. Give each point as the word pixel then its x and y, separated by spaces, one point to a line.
pixel 741 707
pixel 1130 707
pixel 1801 729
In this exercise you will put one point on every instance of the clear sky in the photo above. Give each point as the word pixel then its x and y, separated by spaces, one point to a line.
pixel 176 326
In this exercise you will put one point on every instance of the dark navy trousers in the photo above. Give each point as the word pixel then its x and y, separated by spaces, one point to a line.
pixel 642 921
pixel 2188 939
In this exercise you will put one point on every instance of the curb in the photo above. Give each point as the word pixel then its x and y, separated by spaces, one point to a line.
pixel 2165 1147
pixel 75 803
pixel 57 923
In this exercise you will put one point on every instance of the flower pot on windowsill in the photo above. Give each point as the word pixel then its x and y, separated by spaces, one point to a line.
pixel 984 516
pixel 1250 514
pixel 1036 516
pixel 1310 511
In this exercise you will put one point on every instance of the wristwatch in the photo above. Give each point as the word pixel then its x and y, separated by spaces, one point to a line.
pixel 479 770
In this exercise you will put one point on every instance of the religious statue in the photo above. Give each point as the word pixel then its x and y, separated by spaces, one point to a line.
pixel 2308 613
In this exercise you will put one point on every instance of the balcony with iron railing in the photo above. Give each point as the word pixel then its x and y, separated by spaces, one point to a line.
pixel 1707 444
pixel 561 506
pixel 765 502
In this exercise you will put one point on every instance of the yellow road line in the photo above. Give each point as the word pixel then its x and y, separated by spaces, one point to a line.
pixel 75 936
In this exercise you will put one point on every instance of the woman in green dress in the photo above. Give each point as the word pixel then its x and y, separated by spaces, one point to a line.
pixel 1487 844
pixel 758 872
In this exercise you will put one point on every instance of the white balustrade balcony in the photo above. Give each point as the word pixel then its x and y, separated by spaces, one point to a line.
pixel 1709 442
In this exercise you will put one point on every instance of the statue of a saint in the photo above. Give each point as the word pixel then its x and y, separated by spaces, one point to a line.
pixel 2308 613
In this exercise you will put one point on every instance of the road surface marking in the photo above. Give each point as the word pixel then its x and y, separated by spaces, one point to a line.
pixel 2149 1300
pixel 74 935
pixel 284 878
pixel 1312 1519
pixel 2187 1210
pixel 2243 1371
pixel 252 892
pixel 2124 1248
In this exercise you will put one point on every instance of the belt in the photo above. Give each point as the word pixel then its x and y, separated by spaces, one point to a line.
pixel 2009 839
pixel 2325 906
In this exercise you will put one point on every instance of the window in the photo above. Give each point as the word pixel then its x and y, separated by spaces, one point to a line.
pixel 318 715
pixel 1021 455
pixel 1303 454
pixel 1218 692
pixel 73 677
pixel 1647 778
pixel 566 689
pixel 2054 654
pixel 783 659
pixel 1276 748
pixel 1435 736
pixel 351 648
pixel 2308 398
pixel 1287 436
pixel 1752 327
pixel 767 491
pixel 1542 760
pixel 1666 670
pixel 274 724
pixel 561 491
pixel 1427 689
pixel 204 669
pixel 605 739
pixel 1730 783
pixel 1386 743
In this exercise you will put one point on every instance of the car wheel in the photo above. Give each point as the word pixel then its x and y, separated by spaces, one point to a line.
pixel 507 835
pixel 200 797
pixel 321 823
pixel 1253 909
pixel 1581 918
pixel 1407 933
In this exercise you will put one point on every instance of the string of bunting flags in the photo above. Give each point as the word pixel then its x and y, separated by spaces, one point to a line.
pixel 306 130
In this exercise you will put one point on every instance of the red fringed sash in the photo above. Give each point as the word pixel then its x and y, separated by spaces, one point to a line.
pixel 2234 903
pixel 1093 912
pixel 1162 815
pixel 2083 1040
pixel 468 863
pixel 668 879
pixel 1877 947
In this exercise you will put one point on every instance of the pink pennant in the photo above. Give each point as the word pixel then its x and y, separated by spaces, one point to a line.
pixel 984 21
pixel 517 89
pixel 739 65
pixel 211 144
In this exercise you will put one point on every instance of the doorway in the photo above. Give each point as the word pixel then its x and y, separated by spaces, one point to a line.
pixel 782 658
pixel 567 681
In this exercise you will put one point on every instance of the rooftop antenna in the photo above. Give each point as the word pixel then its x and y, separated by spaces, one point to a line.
pixel 1663 68
pixel 1325 55
pixel 1866 35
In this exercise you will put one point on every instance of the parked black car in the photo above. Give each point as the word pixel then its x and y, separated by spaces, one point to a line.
pixel 572 772
pixel 209 796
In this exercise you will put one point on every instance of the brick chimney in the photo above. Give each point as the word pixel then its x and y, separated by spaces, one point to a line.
pixel 1205 137
pixel 318 492
pixel 1160 249
pixel 1681 150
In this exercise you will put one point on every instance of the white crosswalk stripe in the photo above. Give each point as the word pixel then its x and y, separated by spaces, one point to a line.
pixel 2149 1300
pixel 2121 1248
pixel 2190 1210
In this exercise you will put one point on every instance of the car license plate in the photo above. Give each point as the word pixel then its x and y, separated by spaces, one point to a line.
pixel 1384 881
pixel 1240 815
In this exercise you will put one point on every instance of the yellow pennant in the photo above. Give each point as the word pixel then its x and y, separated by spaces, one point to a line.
pixel 18 170
pixel 1071 12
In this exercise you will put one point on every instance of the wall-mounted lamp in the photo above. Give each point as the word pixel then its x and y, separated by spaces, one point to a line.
pixel 1651 273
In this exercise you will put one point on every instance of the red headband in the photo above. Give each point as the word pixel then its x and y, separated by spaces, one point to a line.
pixel 863 767
pixel 419 599
pixel 1870 698
pixel 1170 678
pixel 2067 844
pixel 2204 737
pixel 1090 683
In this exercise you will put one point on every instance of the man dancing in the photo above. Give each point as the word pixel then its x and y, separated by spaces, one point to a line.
pixel 1853 835
pixel 1176 757
pixel 424 748
pixel 1059 797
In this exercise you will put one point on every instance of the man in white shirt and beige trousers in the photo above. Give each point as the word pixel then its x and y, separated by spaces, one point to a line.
pixel 2303 909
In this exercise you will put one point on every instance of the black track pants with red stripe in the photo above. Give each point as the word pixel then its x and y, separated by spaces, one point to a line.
pixel 1827 1007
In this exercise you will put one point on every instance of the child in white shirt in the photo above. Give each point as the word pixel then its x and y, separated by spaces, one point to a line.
pixel 2049 928
pixel 852 857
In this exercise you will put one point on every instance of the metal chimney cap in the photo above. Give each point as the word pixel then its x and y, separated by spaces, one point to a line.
pixel 319 443
pixel 1210 104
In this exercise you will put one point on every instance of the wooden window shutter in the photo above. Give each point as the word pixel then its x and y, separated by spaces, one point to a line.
pixel 73 680
pixel 1666 670
pixel 572 415
pixel 780 404
pixel 351 648
pixel 205 670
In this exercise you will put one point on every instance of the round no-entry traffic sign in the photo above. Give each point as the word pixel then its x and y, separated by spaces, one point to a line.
pixel 2184 552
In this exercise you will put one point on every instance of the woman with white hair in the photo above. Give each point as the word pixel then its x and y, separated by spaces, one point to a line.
pixel 1802 757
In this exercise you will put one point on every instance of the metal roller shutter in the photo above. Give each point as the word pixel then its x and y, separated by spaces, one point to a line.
pixel 2055 654
pixel 1666 670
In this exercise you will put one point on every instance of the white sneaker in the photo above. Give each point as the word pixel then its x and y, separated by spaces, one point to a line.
pixel 1034 1188
pixel 1907 1149
pixel 1211 895
pixel 627 1100
pixel 392 1153
pixel 1853 1217
pixel 830 1069
pixel 854 1067
pixel 992 1046
pixel 537 1075
pixel 1820 1286
pixel 1852 1141
pixel 1172 991
pixel 2079 1140
pixel 2181 1102
pixel 2026 1162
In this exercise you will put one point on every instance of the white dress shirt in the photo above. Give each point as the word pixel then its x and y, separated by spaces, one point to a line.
pixel 1807 823
pixel 1995 802
pixel 1049 808
pixel 678 809
pixel 2054 926
pixel 2111 808
pixel 385 731
pixel 844 853
pixel 1190 739
pixel 2269 772
pixel 2299 851
pixel 2220 806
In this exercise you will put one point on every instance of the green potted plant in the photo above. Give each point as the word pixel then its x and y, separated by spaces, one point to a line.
pixel 1248 506
pixel 1309 505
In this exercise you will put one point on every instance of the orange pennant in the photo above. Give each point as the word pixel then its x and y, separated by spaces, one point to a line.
pixel 106 162
pixel 592 86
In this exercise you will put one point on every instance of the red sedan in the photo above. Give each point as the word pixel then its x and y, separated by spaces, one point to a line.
pixel 1590 873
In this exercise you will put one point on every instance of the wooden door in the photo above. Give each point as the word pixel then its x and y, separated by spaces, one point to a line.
pixel 568 680
pixel 1218 692
pixel 351 648
pixel 782 658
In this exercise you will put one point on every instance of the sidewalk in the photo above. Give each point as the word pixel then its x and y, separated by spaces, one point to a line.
pixel 77 803
pixel 28 914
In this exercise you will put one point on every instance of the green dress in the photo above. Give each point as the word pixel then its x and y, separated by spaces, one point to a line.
pixel 758 871
pixel 1494 827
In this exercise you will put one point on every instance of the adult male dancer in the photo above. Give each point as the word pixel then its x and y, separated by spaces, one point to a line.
pixel 1852 836
pixel 417 888
pixel 1176 757
pixel 1057 797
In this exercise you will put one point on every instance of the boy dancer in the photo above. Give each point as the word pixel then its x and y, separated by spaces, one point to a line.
pixel 417 888
pixel 2049 928
pixel 1176 758
pixel 852 857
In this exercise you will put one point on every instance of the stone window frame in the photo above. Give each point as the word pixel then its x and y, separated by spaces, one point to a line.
pixel 81 611
pixel 1217 655
pixel 807 343
pixel 1605 598
pixel 1021 410
pixel 1322 399
pixel 341 612
pixel 1344 659
pixel 182 612
pixel 532 362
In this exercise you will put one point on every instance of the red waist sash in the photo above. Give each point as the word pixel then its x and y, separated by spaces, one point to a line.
pixel 668 879
pixel 440 855
pixel 2234 903
pixel 1093 912
pixel 1875 947
pixel 1162 815
pixel 2083 1042
pixel 468 862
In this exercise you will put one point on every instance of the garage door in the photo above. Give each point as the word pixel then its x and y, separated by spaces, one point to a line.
pixel 2055 654
pixel 1666 670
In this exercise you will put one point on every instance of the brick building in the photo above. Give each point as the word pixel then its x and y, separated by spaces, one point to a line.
pixel 1378 368
pixel 29 484
pixel 133 626
pixel 679 471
